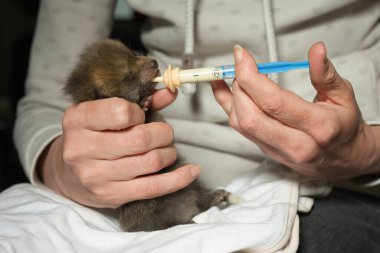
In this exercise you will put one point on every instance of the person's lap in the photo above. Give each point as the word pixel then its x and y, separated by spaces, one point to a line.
pixel 345 221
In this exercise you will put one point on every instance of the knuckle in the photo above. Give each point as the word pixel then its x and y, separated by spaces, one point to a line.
pixel 70 156
pixel 305 154
pixel 100 194
pixel 68 119
pixel 86 177
pixel 326 133
pixel 121 111
pixel 165 130
pixel 168 129
pixel 141 139
pixel 274 104
pixel 234 123
pixel 154 160
pixel 72 152
pixel 248 124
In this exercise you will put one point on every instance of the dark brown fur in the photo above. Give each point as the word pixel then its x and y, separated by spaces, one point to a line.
pixel 109 69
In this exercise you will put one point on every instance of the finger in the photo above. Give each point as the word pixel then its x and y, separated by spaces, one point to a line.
pixel 223 94
pixel 270 151
pixel 335 94
pixel 290 143
pixel 129 167
pixel 275 101
pixel 323 74
pixel 162 98
pixel 104 114
pixel 154 185
pixel 111 145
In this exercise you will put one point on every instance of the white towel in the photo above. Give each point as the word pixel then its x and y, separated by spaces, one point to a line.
pixel 35 219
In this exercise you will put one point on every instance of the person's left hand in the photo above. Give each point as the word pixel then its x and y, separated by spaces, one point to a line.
pixel 326 138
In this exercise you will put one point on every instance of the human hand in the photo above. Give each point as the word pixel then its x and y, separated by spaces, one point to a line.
pixel 106 151
pixel 326 138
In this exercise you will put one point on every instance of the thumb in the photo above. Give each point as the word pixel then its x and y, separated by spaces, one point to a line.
pixel 162 98
pixel 323 75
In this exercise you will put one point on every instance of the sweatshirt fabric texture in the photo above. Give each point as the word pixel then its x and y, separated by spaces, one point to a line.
pixel 268 220
pixel 349 28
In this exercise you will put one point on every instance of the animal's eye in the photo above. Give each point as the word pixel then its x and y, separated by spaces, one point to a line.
pixel 127 75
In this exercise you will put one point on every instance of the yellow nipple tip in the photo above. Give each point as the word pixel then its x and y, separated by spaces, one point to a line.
pixel 158 79
pixel 170 78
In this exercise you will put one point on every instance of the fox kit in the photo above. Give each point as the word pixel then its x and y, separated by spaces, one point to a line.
pixel 109 69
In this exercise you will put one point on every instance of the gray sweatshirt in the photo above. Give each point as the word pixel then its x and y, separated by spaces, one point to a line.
pixel 349 28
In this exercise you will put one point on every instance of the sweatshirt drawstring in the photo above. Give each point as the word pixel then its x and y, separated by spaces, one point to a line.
pixel 270 34
pixel 188 56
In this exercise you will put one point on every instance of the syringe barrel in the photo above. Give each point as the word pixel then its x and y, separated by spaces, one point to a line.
pixel 207 74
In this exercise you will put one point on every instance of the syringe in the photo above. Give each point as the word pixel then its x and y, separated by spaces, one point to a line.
pixel 173 78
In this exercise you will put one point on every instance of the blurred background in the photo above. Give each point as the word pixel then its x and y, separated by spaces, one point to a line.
pixel 17 23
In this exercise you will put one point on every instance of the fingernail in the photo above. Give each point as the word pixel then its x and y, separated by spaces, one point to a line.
pixel 195 170
pixel 238 53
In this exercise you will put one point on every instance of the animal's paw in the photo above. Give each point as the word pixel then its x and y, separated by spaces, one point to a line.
pixel 146 103
pixel 220 198
pixel 235 199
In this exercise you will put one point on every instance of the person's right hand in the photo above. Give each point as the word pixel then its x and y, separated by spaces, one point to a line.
pixel 106 153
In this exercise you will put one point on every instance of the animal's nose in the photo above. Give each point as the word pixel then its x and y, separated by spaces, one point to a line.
pixel 153 64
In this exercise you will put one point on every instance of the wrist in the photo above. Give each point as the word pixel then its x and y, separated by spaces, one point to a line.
pixel 49 164
pixel 364 157
pixel 373 136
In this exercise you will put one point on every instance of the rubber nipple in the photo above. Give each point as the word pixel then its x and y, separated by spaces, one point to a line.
pixel 170 78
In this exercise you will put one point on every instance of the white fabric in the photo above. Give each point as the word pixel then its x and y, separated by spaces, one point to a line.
pixel 35 219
